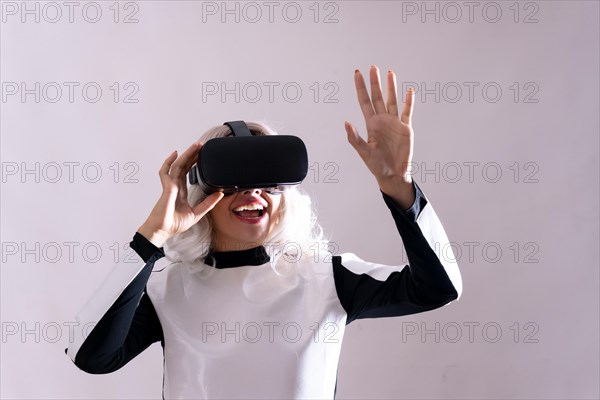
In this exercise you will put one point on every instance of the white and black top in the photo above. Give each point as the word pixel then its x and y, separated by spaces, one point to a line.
pixel 240 330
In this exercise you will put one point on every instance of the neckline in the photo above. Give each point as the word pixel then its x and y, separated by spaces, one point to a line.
pixel 237 258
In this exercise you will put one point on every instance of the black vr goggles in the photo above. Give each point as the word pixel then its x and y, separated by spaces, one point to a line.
pixel 245 161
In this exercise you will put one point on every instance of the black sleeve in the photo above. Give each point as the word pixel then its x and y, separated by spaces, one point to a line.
pixel 420 286
pixel 129 326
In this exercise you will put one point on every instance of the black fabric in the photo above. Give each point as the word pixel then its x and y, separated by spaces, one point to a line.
pixel 231 259
pixel 421 286
pixel 411 213
pixel 128 328
pixel 223 259
pixel 144 247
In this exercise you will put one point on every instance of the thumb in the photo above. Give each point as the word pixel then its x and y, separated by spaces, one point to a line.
pixel 206 205
pixel 355 140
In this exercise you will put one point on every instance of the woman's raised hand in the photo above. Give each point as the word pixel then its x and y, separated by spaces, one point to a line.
pixel 172 213
pixel 388 150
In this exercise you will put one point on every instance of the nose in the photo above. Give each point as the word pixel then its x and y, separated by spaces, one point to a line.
pixel 253 191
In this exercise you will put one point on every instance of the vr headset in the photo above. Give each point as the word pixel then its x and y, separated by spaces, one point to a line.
pixel 244 161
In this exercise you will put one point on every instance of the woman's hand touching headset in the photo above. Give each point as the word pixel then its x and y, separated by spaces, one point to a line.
pixel 172 213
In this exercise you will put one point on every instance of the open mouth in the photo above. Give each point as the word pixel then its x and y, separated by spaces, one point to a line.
pixel 250 212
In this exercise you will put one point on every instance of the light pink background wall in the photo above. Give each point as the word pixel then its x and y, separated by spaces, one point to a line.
pixel 527 240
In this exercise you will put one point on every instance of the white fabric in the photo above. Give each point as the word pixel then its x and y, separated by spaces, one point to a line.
pixel 246 332
pixel 434 233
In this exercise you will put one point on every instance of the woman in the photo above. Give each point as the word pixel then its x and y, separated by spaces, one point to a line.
pixel 239 321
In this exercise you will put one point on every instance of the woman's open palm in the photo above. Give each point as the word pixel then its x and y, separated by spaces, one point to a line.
pixel 387 152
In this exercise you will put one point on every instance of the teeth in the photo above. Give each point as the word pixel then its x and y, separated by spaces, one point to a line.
pixel 249 207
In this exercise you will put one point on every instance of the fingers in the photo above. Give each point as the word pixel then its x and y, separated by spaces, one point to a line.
pixel 174 169
pixel 392 99
pixel 207 204
pixel 374 104
pixel 406 116
pixel 163 172
pixel 376 95
pixel 355 140
pixel 183 164
pixel 363 96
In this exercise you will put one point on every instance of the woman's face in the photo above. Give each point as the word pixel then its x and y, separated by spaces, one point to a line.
pixel 244 219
